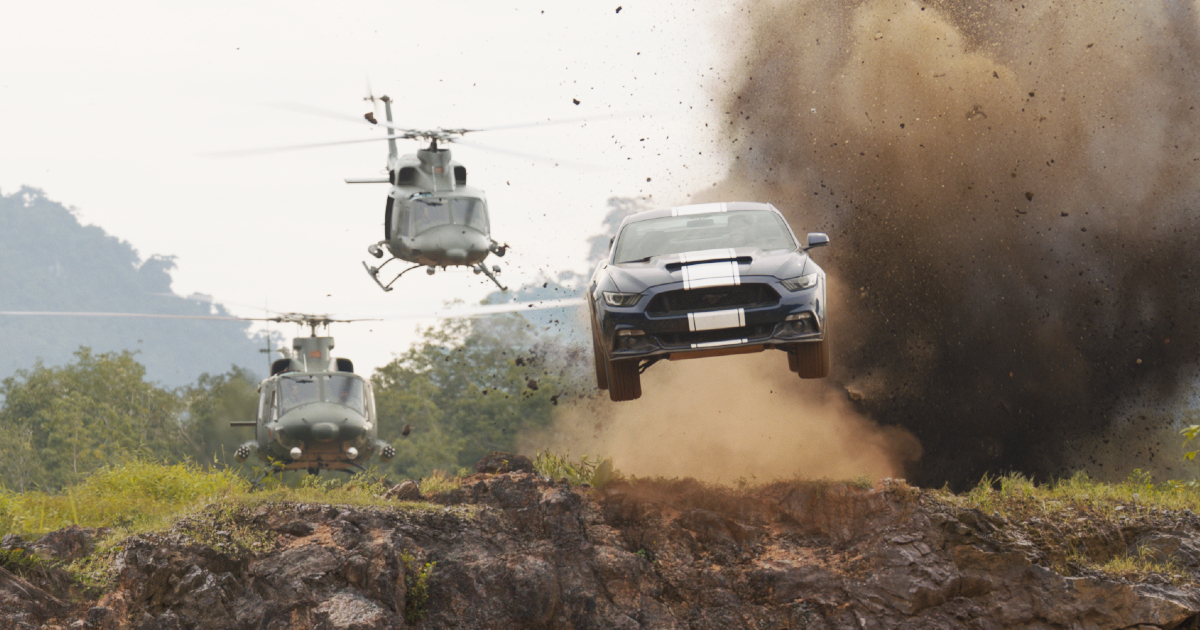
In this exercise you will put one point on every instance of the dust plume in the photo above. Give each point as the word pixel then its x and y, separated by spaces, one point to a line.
pixel 1011 192
pixel 732 418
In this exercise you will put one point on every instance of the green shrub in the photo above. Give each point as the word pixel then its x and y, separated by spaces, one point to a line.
pixel 596 472
pixel 128 494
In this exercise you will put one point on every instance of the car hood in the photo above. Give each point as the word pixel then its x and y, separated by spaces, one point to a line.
pixel 635 277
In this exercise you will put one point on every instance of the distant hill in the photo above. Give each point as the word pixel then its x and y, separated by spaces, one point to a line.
pixel 50 262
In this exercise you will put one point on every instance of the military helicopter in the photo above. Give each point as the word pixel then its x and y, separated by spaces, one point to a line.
pixel 432 217
pixel 314 412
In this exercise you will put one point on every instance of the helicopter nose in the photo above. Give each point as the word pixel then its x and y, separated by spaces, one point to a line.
pixel 324 431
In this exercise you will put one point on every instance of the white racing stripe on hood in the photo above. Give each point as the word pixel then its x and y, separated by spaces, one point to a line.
pixel 716 274
pixel 715 320
pixel 717 344
pixel 707 254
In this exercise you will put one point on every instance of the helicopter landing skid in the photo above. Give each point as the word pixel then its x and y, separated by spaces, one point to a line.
pixel 374 273
pixel 481 268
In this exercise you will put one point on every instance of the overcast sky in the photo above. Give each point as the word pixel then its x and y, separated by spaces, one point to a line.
pixel 112 107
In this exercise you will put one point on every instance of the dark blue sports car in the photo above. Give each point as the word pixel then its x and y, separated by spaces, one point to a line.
pixel 706 280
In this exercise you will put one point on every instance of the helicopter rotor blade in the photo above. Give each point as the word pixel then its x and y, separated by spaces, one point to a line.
pixel 99 314
pixel 558 121
pixel 325 320
pixel 528 156
pixel 490 309
pixel 300 147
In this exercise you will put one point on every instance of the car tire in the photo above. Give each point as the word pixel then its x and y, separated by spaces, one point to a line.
pixel 624 380
pixel 812 359
pixel 600 361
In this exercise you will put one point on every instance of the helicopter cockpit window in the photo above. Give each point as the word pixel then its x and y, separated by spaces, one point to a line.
pixel 297 391
pixel 469 212
pixel 427 212
pixel 345 390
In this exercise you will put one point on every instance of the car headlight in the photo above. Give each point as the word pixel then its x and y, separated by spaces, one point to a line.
pixel 801 283
pixel 621 299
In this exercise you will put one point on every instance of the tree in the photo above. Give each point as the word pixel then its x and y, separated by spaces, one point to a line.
pixel 211 404
pixel 471 387
pixel 60 423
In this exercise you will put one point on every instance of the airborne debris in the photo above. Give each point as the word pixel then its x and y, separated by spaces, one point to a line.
pixel 532 384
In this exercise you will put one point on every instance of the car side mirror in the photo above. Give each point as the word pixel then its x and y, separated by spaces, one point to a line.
pixel 816 239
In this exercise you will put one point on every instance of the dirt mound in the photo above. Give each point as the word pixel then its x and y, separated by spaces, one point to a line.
pixel 516 550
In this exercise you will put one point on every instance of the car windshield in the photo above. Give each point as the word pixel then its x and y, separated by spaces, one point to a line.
pixel 429 212
pixel 298 390
pixel 345 390
pixel 643 240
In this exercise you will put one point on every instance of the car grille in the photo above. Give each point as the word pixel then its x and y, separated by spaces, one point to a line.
pixel 712 299
pixel 686 339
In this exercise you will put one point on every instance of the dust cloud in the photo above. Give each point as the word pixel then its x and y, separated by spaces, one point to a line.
pixel 733 418
pixel 1011 193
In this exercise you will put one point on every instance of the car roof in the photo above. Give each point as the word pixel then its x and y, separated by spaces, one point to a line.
pixel 699 208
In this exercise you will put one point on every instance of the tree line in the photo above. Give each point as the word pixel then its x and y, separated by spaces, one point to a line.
pixel 468 388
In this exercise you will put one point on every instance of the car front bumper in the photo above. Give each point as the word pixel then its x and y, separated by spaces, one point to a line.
pixel 632 332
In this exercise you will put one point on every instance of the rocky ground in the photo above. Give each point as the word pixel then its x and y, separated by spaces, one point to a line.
pixel 514 550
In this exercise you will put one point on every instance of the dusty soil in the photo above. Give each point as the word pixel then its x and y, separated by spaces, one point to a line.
pixel 514 550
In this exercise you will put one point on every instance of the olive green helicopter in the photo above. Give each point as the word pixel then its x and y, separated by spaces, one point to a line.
pixel 314 413
pixel 432 217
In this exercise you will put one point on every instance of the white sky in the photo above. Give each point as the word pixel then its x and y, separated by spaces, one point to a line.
pixel 110 107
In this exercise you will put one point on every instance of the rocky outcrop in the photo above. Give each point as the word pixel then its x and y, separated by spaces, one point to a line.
pixel 515 550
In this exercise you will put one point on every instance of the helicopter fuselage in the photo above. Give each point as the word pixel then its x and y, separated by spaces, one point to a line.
pixel 437 230
pixel 315 414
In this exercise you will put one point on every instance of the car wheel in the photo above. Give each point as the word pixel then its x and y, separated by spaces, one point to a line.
pixel 812 359
pixel 624 380
pixel 600 361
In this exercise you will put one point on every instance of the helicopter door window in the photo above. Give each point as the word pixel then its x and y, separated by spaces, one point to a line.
pixel 468 212
pixel 294 392
pixel 345 390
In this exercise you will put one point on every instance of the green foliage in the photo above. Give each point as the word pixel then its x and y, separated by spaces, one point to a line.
pixel 1189 433
pixel 597 472
pixel 58 424
pixel 1017 497
pixel 437 481
pixel 18 561
pixel 132 493
pixel 466 390
pixel 1139 565
pixel 211 404
pixel 416 578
